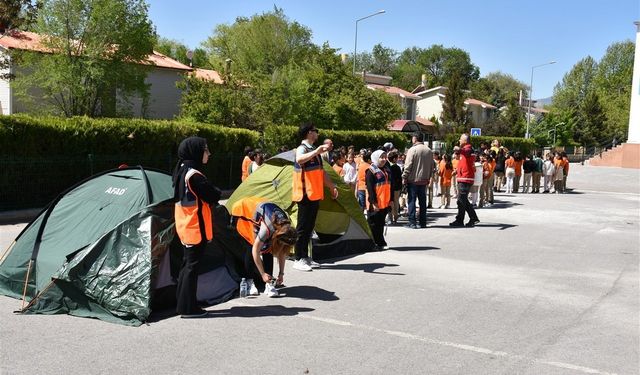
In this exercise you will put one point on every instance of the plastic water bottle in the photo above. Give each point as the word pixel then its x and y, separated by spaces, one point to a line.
pixel 244 288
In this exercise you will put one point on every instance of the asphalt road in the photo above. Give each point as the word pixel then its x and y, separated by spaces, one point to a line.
pixel 546 284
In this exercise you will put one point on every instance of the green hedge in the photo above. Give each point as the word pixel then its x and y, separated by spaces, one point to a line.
pixel 22 135
pixel 276 136
pixel 42 156
pixel 512 143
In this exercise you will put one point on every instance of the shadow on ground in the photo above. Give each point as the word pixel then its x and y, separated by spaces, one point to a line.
pixel 365 267
pixel 236 311
pixel 308 293
pixel 414 248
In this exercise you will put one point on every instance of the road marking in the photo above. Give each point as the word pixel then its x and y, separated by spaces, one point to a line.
pixel 470 348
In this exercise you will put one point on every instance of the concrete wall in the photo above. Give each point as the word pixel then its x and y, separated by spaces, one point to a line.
pixel 164 96
pixel 430 105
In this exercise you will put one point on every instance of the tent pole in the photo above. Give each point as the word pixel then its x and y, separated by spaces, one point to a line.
pixel 6 252
pixel 36 297
pixel 26 283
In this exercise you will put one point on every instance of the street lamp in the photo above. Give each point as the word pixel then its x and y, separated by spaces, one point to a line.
pixel 527 135
pixel 355 48
pixel 555 131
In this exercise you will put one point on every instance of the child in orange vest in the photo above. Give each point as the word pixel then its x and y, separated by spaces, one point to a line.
pixel 378 195
pixel 446 176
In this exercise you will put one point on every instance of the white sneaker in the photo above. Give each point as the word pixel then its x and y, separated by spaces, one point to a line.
pixel 270 290
pixel 301 265
pixel 311 263
pixel 253 291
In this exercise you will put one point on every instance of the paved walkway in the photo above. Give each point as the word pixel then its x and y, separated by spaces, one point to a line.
pixel 546 284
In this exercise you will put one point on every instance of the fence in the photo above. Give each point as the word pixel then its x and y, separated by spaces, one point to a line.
pixel 34 182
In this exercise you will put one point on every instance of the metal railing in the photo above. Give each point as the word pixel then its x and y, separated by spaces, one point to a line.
pixel 34 181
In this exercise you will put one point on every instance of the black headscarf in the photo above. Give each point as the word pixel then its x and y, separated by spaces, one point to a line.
pixel 190 153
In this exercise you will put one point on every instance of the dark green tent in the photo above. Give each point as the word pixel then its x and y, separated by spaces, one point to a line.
pixel 106 248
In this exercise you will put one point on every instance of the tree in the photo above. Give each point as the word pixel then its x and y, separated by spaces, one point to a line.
pixel 438 63
pixel 454 114
pixel 178 51
pixel 589 129
pixel 99 48
pixel 510 122
pixel 497 88
pixel 15 15
pixel 576 84
pixel 260 44
pixel 381 60
pixel 613 85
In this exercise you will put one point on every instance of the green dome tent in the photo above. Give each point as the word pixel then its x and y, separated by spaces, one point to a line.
pixel 106 248
pixel 341 228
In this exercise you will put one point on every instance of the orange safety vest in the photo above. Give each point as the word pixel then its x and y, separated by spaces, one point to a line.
pixel 193 214
pixel 245 210
pixel 246 162
pixel 382 187
pixel 362 172
pixel 308 179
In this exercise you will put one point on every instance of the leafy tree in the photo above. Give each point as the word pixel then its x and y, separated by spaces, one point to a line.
pixel 260 44
pixel 510 122
pixel 454 114
pixel 381 60
pixel 613 85
pixel 97 46
pixel 15 15
pixel 576 84
pixel 591 118
pixel 497 88
pixel 178 51
pixel 438 63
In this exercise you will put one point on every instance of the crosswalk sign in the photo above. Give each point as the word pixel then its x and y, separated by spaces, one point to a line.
pixel 476 132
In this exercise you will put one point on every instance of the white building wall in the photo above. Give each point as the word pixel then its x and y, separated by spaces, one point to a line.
pixel 429 106
pixel 164 96
pixel 634 112
pixel 5 91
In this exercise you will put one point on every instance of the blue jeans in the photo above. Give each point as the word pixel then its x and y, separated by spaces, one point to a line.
pixel 419 192
pixel 362 198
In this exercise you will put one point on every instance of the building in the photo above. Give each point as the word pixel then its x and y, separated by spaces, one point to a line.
pixel 383 83
pixel 431 105
pixel 162 78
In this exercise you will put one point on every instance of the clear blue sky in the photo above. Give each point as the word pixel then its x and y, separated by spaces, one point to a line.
pixel 506 35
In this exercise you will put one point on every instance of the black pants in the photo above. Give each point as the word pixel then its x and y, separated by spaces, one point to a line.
pixel 307 212
pixel 251 270
pixel 188 280
pixel 463 203
pixel 376 223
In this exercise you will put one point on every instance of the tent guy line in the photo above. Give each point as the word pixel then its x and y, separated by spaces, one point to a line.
pixel 410 336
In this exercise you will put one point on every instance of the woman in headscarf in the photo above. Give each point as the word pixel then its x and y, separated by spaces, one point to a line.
pixel 194 197
pixel 378 197
pixel 268 234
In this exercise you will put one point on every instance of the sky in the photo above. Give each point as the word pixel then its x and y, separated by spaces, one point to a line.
pixel 510 36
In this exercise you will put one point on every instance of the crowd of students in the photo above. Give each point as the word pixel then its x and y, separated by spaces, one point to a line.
pixel 386 182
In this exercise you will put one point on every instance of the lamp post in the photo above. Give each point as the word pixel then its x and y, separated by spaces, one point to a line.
pixel 555 131
pixel 355 47
pixel 527 135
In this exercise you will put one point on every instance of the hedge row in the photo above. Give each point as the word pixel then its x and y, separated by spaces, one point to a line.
pixel 512 143
pixel 22 135
pixel 276 137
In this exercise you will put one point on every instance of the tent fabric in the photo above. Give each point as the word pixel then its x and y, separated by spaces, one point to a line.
pixel 341 228
pixel 106 248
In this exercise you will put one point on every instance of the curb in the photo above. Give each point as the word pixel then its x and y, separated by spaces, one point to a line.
pixel 27 215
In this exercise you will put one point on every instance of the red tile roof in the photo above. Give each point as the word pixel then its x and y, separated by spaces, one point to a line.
pixel 477 102
pixel 399 125
pixel 25 40
pixel 208 75
pixel 424 121
pixel 393 91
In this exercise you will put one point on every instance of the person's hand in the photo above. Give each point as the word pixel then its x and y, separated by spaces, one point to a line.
pixel 280 280
pixel 266 277
pixel 404 181
pixel 334 192
pixel 322 149
pixel 375 207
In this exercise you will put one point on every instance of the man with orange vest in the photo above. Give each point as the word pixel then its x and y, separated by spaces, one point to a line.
pixel 378 197
pixel 309 180
pixel 193 196
pixel 267 229
pixel 465 176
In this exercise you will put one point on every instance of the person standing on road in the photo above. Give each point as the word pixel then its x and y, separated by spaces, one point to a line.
pixel 309 179
pixel 528 166
pixel 396 185
pixel 194 196
pixel 548 169
pixel 537 172
pixel 378 197
pixel 565 171
pixel 465 173
pixel 246 162
pixel 499 170
pixel 350 172
pixel 416 175
pixel 445 171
